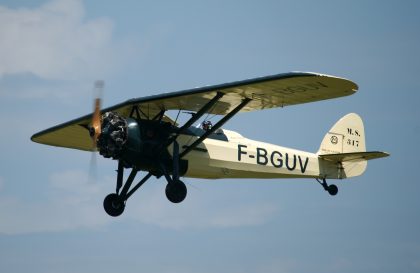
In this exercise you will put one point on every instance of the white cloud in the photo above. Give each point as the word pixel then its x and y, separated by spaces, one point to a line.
pixel 72 202
pixel 55 41
pixel 198 211
pixel 65 91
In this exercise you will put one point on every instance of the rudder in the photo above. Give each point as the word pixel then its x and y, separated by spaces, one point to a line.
pixel 346 136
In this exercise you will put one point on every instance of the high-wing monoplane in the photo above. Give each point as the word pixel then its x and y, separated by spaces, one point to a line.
pixel 140 136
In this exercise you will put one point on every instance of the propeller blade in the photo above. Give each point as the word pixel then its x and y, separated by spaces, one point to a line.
pixel 93 168
pixel 96 117
pixel 96 120
pixel 96 128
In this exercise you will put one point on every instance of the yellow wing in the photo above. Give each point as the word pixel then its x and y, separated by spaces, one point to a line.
pixel 265 92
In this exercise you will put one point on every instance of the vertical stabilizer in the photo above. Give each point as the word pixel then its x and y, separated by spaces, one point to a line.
pixel 346 136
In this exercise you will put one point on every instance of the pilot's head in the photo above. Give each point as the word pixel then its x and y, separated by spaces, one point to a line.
pixel 206 125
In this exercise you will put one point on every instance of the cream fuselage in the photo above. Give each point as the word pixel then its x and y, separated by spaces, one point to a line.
pixel 239 157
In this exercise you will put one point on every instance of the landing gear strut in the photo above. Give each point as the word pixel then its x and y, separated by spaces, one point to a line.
pixel 331 189
pixel 175 190
pixel 114 203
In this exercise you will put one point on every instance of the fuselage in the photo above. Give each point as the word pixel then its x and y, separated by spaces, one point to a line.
pixel 234 156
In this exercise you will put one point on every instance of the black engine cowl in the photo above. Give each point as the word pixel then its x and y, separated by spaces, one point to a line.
pixel 137 143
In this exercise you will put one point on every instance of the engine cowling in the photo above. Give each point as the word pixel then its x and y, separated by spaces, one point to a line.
pixel 118 135
pixel 136 143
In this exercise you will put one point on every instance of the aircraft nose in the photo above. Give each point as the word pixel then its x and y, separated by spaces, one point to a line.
pixel 113 135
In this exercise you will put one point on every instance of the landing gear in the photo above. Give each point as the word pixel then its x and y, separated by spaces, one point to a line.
pixel 113 205
pixel 331 189
pixel 176 191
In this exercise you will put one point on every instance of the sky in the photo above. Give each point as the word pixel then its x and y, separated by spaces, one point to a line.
pixel 51 215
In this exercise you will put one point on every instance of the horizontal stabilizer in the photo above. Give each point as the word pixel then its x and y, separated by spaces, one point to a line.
pixel 345 157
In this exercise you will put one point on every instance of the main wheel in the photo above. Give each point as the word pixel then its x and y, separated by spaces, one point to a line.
pixel 113 205
pixel 176 191
pixel 332 189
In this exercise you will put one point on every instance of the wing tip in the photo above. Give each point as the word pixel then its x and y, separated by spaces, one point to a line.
pixel 34 137
pixel 354 87
pixel 384 154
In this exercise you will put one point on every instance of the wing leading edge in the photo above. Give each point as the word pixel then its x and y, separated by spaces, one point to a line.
pixel 265 92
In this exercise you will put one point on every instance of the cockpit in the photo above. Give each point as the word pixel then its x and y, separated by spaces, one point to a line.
pixel 206 125
pixel 203 128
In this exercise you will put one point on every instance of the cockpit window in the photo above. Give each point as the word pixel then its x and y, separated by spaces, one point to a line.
pixel 199 131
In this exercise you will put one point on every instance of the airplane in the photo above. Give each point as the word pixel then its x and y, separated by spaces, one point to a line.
pixel 140 136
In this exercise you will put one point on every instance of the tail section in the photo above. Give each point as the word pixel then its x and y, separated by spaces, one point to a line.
pixel 342 152
pixel 346 136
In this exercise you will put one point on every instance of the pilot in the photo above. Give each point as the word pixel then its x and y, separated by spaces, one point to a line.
pixel 206 125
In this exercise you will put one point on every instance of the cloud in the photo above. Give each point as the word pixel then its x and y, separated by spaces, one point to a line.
pixel 55 41
pixel 199 211
pixel 30 87
pixel 72 202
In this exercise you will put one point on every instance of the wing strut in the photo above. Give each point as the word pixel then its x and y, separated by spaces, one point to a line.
pixel 200 113
pixel 215 127
pixel 196 116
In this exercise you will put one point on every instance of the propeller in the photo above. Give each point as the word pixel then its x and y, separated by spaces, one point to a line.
pixel 96 128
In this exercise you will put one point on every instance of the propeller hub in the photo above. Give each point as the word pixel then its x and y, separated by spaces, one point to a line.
pixel 92 131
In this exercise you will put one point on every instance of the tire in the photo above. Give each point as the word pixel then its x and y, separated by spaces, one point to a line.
pixel 113 205
pixel 332 189
pixel 176 191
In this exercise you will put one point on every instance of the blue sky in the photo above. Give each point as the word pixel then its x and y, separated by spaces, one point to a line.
pixel 51 216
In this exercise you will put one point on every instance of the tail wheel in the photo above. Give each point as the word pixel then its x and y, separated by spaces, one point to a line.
pixel 332 189
pixel 176 191
pixel 113 205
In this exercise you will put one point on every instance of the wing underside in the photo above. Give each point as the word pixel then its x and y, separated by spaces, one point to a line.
pixel 264 93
